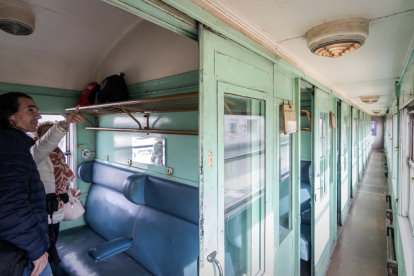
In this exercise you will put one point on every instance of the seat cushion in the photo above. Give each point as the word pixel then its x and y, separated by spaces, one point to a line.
pixel 73 246
pixel 165 244
pixel 306 217
pixel 305 242
pixel 109 213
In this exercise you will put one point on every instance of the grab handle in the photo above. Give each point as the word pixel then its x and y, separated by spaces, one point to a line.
pixel 212 258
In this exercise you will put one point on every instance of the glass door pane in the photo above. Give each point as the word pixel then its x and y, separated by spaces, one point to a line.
pixel 285 224
pixel 244 182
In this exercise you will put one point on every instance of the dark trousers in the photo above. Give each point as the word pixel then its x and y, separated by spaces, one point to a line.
pixel 55 229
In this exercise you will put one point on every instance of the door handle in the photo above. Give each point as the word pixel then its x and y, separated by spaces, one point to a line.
pixel 212 258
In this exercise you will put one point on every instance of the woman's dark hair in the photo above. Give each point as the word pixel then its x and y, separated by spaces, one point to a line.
pixel 9 105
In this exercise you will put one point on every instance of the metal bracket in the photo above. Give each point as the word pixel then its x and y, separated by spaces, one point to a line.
pixel 389 214
pixel 86 153
pixel 129 114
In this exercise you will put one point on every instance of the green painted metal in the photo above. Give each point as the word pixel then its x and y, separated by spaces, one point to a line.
pixel 158 13
pixel 344 133
pixel 214 51
pixel 180 150
pixel 320 202
pixel 411 58
pixel 178 84
pixel 333 186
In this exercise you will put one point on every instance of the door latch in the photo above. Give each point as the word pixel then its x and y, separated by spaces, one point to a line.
pixel 86 153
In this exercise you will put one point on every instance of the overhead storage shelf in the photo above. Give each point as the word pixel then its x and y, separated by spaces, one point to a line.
pixel 174 103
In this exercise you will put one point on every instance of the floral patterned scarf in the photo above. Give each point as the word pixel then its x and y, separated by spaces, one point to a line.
pixel 63 174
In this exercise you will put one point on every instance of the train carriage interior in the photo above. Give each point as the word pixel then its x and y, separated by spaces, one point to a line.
pixel 271 138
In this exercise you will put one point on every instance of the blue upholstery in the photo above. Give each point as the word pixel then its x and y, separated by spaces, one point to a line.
pixel 306 217
pixel 305 242
pixel 73 246
pixel 109 214
pixel 159 216
pixel 108 249
pixel 165 244
pixel 305 195
pixel 106 175
pixel 305 171
pixel 168 196
pixel 173 198
pixel 133 188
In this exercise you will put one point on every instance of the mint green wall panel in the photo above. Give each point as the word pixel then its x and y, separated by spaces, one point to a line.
pixel 181 150
pixel 182 83
pixel 283 86
pixel 285 257
pixel 257 76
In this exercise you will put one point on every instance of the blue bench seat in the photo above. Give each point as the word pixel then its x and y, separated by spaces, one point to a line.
pixel 136 225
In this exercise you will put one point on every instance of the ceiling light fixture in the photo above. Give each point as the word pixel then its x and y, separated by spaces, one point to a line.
pixel 338 37
pixel 16 19
pixel 376 111
pixel 370 99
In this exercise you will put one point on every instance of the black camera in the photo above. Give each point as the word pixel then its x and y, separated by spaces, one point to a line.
pixel 52 202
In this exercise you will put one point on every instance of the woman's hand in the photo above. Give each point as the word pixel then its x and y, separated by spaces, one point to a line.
pixel 75 192
pixel 73 117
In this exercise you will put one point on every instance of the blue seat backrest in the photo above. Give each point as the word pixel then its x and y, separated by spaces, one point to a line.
pixel 166 230
pixel 165 244
pixel 172 198
pixel 108 213
pixel 105 175
pixel 305 171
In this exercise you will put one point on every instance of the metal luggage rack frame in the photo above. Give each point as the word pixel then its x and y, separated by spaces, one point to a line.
pixel 172 103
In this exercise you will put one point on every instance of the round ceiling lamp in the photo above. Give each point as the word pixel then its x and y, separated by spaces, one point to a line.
pixel 16 19
pixel 369 99
pixel 338 37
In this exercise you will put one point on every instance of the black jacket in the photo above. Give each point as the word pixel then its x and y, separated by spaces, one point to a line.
pixel 22 224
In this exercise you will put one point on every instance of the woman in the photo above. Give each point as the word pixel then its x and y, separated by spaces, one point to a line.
pixel 54 172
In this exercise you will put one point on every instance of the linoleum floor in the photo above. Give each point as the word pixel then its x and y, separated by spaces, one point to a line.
pixel 362 246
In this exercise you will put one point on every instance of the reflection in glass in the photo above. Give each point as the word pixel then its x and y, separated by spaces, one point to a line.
pixel 285 224
pixel 148 151
pixel 244 182
pixel 324 151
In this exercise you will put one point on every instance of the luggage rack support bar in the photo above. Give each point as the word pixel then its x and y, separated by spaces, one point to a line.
pixel 129 114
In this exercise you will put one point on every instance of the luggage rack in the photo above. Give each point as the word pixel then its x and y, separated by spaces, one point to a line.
pixel 305 113
pixel 174 103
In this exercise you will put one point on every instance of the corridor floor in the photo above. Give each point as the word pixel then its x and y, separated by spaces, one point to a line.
pixel 362 246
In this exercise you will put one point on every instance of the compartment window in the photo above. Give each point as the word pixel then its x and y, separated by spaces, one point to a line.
pixel 285 190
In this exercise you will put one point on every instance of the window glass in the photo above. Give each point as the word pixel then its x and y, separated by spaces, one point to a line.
pixel 285 224
pixel 64 143
pixel 244 185
pixel 324 153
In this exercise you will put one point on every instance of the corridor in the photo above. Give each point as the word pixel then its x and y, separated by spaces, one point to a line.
pixel 362 246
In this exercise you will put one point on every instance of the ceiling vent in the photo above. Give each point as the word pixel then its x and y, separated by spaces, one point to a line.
pixel 338 37
pixel 370 99
pixel 16 19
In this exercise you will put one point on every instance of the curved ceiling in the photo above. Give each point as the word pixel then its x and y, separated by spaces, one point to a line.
pixel 69 41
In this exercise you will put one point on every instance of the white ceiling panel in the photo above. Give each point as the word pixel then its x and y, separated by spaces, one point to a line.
pixel 92 12
pixel 69 41
pixel 371 70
